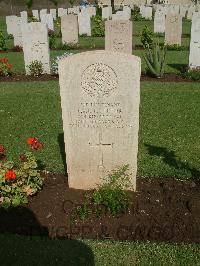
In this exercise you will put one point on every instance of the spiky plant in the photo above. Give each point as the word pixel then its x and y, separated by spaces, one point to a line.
pixel 155 58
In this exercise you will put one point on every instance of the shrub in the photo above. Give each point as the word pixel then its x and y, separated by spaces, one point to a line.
pixel 193 74
pixel 32 19
pixel 2 41
pixel 155 60
pixel 29 4
pixel 5 67
pixel 136 14
pixel 98 29
pixel 10 36
pixel 52 39
pixel 17 48
pixel 69 46
pixel 54 66
pixel 36 68
pixel 19 180
pixel 110 195
pixel 146 37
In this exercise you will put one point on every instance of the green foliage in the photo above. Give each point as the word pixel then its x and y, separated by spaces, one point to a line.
pixel 146 37
pixel 32 19
pixel 71 2
pixel 36 68
pixel 136 14
pixel 111 195
pixel 2 41
pixel 55 2
pixel 98 29
pixel 175 47
pixel 52 39
pixel 29 3
pixel 193 74
pixel 155 58
pixel 26 182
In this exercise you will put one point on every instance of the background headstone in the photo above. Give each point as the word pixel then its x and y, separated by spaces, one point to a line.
pixel 17 32
pixel 24 16
pixel 35 45
pixel 107 12
pixel 173 29
pixel 194 57
pixel 159 22
pixel 36 14
pixel 84 24
pixel 10 21
pixel 100 94
pixel 121 15
pixel 53 13
pixel 69 29
pixel 118 36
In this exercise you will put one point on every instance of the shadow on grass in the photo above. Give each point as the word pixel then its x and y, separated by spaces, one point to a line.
pixel 180 67
pixel 23 241
pixel 171 159
pixel 61 143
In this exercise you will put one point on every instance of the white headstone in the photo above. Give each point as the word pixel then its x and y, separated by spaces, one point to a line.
pixel 24 16
pixel 74 10
pixel 121 15
pixel 43 12
pixel 118 36
pixel 69 29
pixel 173 29
pixel 159 22
pixel 107 12
pixel 36 14
pixel 17 32
pixel 10 21
pixel 47 20
pixel 53 13
pixel 194 57
pixel 84 24
pixel 35 45
pixel 100 95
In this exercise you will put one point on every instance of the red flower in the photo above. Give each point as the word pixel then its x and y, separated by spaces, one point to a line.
pixel 37 145
pixel 30 141
pixel 2 150
pixel 9 66
pixel 34 143
pixel 10 174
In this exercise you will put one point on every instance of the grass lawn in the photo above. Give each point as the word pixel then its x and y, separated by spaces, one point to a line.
pixel 169 125
pixel 19 250
pixel 175 61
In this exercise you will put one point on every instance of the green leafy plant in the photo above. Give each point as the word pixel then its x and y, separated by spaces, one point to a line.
pixel 52 39
pixel 155 58
pixel 29 4
pixel 19 180
pixel 111 195
pixel 36 68
pixel 2 41
pixel 71 2
pixel 193 74
pixel 32 19
pixel 98 29
pixel 17 48
pixel 5 67
pixel 136 14
pixel 10 37
pixel 146 37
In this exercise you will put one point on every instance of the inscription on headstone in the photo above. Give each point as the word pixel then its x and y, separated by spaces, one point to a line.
pixel 118 36
pixel 100 94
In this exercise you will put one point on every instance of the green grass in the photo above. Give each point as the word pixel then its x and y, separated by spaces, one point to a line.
pixel 176 60
pixel 19 250
pixel 169 125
